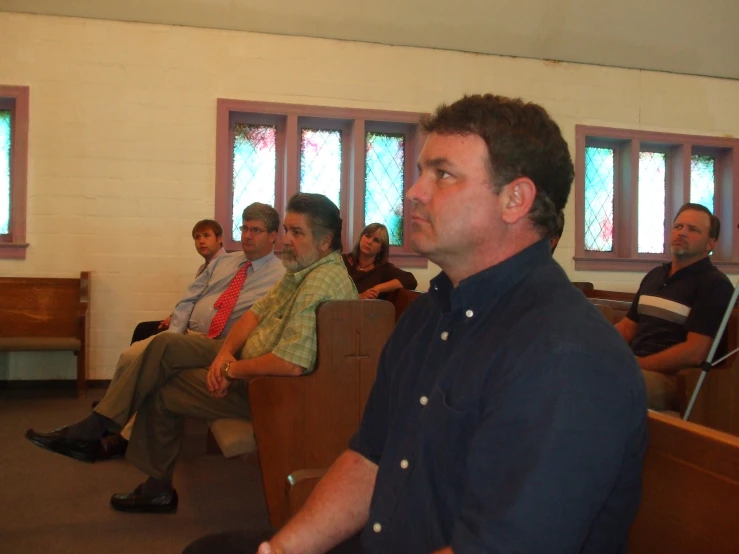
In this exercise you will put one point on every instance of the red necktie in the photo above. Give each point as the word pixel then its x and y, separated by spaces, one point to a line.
pixel 226 302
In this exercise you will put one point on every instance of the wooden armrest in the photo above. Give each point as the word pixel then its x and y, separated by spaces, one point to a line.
pixel 299 486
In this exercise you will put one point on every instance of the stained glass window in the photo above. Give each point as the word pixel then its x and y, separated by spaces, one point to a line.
pixel 320 163
pixel 651 203
pixel 255 162
pixel 599 180
pixel 702 180
pixel 4 172
pixel 384 179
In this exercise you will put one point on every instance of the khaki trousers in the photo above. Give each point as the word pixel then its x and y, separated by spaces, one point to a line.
pixel 165 383
pixel 661 390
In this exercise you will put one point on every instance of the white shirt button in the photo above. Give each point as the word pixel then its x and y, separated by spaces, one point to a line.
pixel 469 313
pixel 377 527
pixel 424 400
pixel 444 335
pixel 404 464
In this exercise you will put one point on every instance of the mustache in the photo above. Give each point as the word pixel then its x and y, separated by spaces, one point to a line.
pixel 289 251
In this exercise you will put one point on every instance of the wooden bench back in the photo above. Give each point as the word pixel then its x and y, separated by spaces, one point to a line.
pixel 401 299
pixel 306 422
pixel 42 307
pixel 690 491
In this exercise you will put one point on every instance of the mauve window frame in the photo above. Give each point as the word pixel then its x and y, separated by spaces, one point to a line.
pixel 289 119
pixel 13 244
pixel 680 147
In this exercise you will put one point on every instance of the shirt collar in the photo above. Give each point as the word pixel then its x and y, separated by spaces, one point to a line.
pixel 483 290
pixel 334 257
pixel 257 264
pixel 702 265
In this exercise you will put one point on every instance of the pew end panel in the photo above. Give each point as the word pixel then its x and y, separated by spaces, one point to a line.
pixel 306 422
pixel 689 492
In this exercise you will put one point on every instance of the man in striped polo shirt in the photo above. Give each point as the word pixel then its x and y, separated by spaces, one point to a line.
pixel 679 306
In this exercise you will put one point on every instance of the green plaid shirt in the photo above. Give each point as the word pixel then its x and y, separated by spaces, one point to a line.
pixel 287 313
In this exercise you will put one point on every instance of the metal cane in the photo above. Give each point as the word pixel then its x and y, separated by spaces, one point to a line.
pixel 708 364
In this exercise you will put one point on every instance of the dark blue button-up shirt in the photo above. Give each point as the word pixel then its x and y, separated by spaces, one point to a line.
pixel 508 416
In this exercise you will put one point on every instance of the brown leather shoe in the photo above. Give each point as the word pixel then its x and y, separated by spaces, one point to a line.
pixel 112 446
pixel 135 501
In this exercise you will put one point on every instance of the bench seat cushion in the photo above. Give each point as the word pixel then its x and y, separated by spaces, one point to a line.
pixel 10 344
pixel 235 437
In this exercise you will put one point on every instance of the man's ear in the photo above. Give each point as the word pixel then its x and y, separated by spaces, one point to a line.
pixel 273 236
pixel 710 245
pixel 516 199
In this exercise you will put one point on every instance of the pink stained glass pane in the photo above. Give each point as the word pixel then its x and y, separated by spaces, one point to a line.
pixel 384 183
pixel 5 120
pixel 320 163
pixel 651 211
pixel 255 164
pixel 703 180
pixel 599 184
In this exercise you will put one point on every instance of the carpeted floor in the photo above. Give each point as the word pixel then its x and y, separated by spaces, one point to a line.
pixel 52 504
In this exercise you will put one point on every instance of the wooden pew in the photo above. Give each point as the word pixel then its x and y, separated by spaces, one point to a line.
pixel 690 493
pixel 306 422
pixel 717 405
pixel 401 299
pixel 47 314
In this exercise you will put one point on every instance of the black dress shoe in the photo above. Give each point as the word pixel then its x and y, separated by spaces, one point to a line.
pixel 112 446
pixel 135 501
pixel 57 441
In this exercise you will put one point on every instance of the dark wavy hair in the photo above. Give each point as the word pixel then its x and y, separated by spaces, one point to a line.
pixel 323 216
pixel 522 141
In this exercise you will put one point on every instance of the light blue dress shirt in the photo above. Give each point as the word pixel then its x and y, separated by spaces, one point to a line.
pixel 195 309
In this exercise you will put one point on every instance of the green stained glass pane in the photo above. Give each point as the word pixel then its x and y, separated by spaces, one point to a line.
pixel 703 180
pixel 255 163
pixel 320 163
pixel 651 215
pixel 383 183
pixel 4 172
pixel 599 182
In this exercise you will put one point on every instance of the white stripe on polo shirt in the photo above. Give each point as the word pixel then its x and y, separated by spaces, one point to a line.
pixel 663 309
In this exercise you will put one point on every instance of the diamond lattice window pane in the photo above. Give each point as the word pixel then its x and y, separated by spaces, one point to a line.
pixel 599 183
pixel 702 180
pixel 320 163
pixel 651 214
pixel 383 183
pixel 255 163
pixel 4 172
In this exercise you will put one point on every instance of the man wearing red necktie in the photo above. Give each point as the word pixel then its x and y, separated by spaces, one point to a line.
pixel 196 376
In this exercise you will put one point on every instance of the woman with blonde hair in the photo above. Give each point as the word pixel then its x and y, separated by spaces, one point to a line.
pixel 369 268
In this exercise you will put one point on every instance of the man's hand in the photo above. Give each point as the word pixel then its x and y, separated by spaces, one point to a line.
pixel 164 324
pixel 370 294
pixel 217 385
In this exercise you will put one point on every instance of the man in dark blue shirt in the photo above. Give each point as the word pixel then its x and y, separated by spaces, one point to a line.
pixel 508 415
pixel 678 308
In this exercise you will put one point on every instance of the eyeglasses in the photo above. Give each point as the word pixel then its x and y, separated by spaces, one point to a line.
pixel 252 230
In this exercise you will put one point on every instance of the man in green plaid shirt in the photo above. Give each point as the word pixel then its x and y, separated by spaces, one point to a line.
pixel 181 375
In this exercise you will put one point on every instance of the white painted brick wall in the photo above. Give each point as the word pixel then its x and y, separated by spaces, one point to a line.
pixel 122 141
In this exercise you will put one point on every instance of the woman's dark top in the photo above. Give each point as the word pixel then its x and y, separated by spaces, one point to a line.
pixel 367 279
